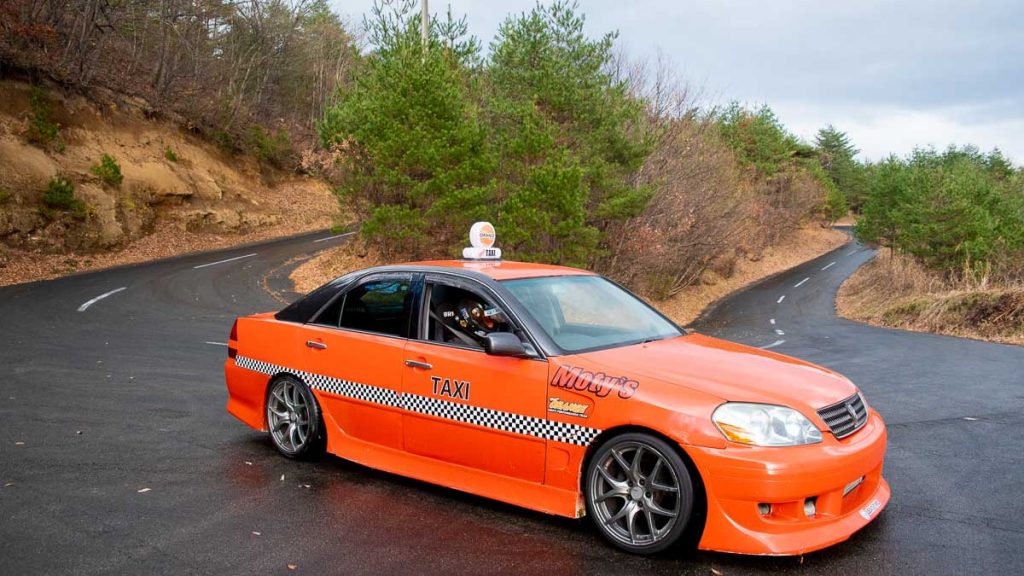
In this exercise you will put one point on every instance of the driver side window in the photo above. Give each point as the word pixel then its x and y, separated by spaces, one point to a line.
pixel 462 317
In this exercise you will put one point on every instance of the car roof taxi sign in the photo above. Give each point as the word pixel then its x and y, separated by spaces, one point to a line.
pixel 481 238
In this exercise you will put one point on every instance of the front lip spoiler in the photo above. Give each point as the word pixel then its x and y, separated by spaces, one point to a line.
pixel 820 536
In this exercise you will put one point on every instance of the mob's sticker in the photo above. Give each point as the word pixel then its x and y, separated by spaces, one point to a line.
pixel 868 511
pixel 559 406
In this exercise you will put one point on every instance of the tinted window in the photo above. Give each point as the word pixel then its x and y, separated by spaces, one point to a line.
pixel 301 310
pixel 382 306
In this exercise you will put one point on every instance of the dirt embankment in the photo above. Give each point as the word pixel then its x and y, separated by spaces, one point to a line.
pixel 179 193
pixel 800 246
pixel 897 292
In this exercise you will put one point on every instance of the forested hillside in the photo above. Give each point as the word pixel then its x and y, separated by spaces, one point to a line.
pixel 135 130
pixel 254 76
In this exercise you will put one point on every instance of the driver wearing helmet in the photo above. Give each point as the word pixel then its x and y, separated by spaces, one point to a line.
pixel 469 321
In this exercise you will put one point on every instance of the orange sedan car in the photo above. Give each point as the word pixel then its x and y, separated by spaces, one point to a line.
pixel 555 389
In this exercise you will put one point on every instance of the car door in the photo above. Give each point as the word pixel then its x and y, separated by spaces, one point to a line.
pixel 464 406
pixel 354 349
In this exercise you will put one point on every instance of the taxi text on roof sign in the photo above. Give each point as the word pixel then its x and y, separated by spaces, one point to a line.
pixel 481 238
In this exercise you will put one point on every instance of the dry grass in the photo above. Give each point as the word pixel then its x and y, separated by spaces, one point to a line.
pixel 350 256
pixel 898 292
pixel 800 246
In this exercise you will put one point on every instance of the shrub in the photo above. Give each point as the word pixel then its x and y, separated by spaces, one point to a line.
pixel 42 130
pixel 60 195
pixel 170 155
pixel 4 195
pixel 225 141
pixel 274 148
pixel 108 171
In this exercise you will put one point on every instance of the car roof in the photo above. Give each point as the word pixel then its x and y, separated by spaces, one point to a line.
pixel 501 269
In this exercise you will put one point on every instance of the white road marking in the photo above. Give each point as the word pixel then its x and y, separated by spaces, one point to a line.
pixel 780 332
pixel 223 261
pixel 86 305
pixel 333 237
pixel 970 419
pixel 801 283
pixel 772 321
pixel 217 343
pixel 781 298
pixel 773 344
pixel 830 264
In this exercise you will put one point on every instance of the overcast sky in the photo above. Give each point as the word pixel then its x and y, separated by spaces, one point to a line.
pixel 893 75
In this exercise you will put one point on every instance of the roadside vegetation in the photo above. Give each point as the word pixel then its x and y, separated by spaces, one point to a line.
pixel 951 225
pixel 59 196
pixel 579 155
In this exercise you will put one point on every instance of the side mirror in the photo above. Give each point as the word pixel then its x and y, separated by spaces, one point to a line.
pixel 504 344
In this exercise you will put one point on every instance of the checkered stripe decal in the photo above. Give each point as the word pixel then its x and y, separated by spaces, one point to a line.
pixel 507 421
pixel 366 393
pixel 475 415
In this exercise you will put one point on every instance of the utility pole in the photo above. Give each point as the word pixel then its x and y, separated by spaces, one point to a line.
pixel 424 24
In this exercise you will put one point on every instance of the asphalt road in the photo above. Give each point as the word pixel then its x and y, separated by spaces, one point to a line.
pixel 116 454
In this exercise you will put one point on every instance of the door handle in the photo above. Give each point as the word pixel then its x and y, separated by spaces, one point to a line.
pixel 415 364
pixel 315 344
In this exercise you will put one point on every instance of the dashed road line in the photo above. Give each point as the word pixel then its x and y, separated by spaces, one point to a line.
pixel 773 344
pixel 780 332
pixel 830 264
pixel 781 298
pixel 223 261
pixel 333 237
pixel 801 283
pixel 216 343
pixel 88 303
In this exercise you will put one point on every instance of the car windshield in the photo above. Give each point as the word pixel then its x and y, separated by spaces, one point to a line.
pixel 588 312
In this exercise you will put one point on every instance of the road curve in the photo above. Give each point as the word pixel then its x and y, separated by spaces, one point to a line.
pixel 116 454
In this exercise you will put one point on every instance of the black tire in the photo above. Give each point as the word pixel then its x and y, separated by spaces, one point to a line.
pixel 294 419
pixel 641 507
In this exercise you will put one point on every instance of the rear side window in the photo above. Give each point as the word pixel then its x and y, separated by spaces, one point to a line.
pixel 380 306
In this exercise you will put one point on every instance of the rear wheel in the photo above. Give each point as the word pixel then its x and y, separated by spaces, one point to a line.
pixel 293 417
pixel 639 493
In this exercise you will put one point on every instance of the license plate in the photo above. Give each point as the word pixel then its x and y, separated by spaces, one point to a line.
pixel 868 511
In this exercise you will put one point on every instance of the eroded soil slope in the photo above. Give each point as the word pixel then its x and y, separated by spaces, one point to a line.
pixel 179 193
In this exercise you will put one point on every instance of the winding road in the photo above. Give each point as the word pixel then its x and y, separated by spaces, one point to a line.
pixel 117 456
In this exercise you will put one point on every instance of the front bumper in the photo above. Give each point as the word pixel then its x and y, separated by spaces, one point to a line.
pixel 741 480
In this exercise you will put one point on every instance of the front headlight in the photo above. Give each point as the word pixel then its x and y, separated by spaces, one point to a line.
pixel 764 425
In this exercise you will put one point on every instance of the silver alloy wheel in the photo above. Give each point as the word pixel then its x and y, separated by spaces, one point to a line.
pixel 635 494
pixel 288 416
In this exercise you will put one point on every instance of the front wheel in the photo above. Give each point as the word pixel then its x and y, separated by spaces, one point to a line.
pixel 639 493
pixel 293 417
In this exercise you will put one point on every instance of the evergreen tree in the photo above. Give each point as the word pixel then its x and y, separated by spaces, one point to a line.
pixel 419 170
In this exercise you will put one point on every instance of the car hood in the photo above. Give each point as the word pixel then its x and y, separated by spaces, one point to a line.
pixel 729 371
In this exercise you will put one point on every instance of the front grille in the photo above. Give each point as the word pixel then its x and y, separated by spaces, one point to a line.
pixel 846 416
